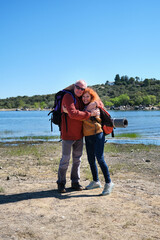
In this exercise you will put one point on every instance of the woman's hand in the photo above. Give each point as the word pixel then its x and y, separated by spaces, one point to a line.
pixel 95 112
pixel 91 106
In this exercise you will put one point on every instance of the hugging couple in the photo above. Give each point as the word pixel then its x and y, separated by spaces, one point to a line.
pixel 82 118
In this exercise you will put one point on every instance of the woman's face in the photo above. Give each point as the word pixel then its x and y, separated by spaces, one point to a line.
pixel 86 98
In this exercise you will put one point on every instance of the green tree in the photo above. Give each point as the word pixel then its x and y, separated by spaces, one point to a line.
pixel 51 104
pixel 117 80
pixel 131 81
pixel 43 105
pixel 21 103
pixel 146 100
pixel 37 105
pixel 147 82
pixel 153 99
pixel 124 99
pixel 138 100
pixel 115 101
pixel 124 80
pixel 108 104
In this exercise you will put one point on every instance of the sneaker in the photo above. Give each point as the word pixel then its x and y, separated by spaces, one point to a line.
pixel 107 188
pixel 93 185
pixel 61 188
pixel 76 186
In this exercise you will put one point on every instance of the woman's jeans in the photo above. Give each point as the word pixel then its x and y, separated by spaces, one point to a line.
pixel 95 148
pixel 77 148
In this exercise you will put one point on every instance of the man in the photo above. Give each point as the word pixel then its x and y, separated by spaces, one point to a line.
pixel 72 136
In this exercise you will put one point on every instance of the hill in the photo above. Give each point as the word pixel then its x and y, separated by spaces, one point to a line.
pixel 123 91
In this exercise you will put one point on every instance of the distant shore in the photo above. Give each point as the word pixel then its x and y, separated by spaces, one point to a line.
pixel 121 108
pixel 17 109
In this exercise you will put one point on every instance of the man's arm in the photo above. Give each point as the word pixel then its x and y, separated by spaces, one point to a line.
pixel 74 113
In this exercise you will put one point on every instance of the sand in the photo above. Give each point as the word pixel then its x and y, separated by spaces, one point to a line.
pixel 31 207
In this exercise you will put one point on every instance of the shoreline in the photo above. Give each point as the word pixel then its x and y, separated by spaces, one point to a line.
pixel 121 108
pixel 52 141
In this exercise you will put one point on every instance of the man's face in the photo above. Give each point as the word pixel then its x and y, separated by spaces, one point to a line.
pixel 79 88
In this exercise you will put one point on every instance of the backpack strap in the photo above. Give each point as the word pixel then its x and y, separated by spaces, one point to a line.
pixel 65 115
pixel 71 93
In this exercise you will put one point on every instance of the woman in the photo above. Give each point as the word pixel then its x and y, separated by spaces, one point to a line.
pixel 94 139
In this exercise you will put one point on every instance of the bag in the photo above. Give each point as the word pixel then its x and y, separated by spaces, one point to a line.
pixel 107 124
pixel 56 112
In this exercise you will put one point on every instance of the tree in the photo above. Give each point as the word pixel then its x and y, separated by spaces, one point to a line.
pixel 153 99
pixel 36 105
pixel 146 100
pixel 117 79
pixel 108 104
pixel 124 99
pixel 124 80
pixel 115 101
pixel 107 82
pixel 21 103
pixel 131 80
pixel 137 79
pixel 146 82
pixel 138 100
pixel 42 105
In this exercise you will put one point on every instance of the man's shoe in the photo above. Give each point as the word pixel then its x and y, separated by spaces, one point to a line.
pixel 76 186
pixel 108 188
pixel 93 185
pixel 61 188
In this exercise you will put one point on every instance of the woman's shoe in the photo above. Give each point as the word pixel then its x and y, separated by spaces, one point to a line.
pixel 93 185
pixel 108 188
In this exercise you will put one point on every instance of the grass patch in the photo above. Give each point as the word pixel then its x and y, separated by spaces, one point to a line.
pixel 45 138
pixel 31 149
pixel 87 174
pixel 128 135
pixel 117 168
pixel 22 150
pixel 118 148
pixel 1 190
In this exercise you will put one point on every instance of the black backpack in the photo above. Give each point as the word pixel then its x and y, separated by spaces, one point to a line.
pixel 56 112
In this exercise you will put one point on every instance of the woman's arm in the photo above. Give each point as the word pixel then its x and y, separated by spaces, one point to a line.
pixel 94 111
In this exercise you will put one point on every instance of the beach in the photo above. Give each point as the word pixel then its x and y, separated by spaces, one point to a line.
pixel 31 207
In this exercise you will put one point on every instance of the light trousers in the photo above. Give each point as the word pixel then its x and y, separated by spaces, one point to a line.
pixel 77 148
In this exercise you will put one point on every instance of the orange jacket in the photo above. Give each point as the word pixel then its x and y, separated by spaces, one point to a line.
pixel 73 130
pixel 92 127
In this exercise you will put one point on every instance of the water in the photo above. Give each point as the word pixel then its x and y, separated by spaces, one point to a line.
pixel 16 124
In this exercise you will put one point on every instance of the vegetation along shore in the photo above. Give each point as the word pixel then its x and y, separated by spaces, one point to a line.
pixel 124 93
pixel 31 207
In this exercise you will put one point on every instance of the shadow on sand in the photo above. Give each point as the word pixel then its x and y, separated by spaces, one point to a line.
pixel 4 199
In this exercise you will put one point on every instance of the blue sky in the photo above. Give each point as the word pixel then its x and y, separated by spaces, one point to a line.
pixel 46 45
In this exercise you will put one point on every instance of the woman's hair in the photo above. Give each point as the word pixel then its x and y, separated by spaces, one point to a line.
pixel 94 95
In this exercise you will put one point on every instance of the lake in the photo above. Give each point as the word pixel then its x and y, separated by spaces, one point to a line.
pixel 16 124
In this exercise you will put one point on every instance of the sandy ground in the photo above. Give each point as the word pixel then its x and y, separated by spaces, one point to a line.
pixel 31 207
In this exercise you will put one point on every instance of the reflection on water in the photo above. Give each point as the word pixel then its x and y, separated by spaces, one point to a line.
pixel 16 124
